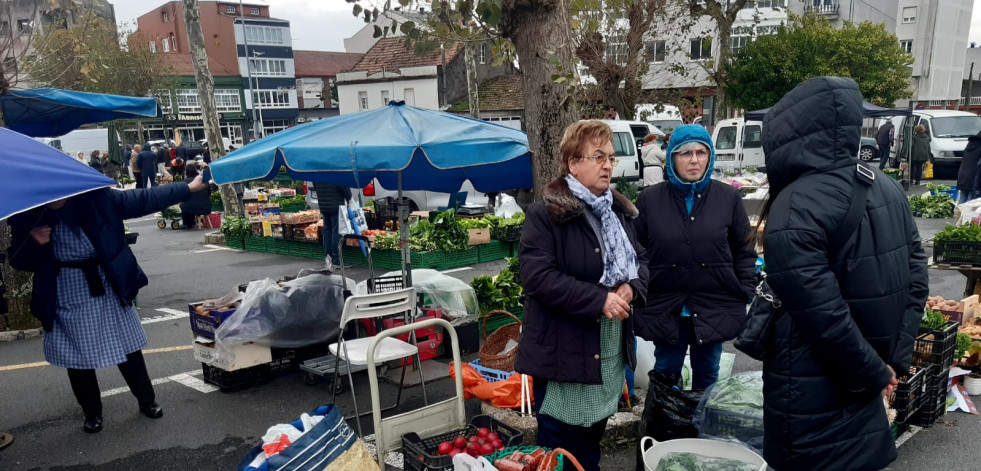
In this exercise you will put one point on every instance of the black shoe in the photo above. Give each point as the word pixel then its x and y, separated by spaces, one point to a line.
pixel 152 410
pixel 92 424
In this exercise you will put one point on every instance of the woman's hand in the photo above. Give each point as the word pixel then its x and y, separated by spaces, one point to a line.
pixel 626 292
pixel 41 235
pixel 615 307
pixel 893 383
pixel 197 184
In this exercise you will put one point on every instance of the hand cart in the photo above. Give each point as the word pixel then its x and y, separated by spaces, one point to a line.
pixel 316 368
pixel 174 214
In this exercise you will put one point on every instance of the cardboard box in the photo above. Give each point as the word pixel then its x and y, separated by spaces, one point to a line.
pixel 478 236
pixel 205 325
pixel 232 357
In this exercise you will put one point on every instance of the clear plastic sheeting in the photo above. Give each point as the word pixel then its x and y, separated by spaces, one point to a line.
pixel 682 461
pixel 455 297
pixel 297 313
pixel 732 408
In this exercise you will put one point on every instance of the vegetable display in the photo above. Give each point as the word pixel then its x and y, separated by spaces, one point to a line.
pixel 933 320
pixel 933 187
pixel 500 292
pixel 448 234
pixel 236 227
pixel 290 200
pixel 483 443
pixel 935 206
pixel 966 232
pixel 962 346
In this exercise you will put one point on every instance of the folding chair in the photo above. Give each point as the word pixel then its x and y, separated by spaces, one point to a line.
pixel 355 352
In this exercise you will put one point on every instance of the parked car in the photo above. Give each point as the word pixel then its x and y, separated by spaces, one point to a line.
pixel 869 150
pixel 738 144
pixel 948 131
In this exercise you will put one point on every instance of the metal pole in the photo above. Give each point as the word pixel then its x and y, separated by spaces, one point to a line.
pixel 404 236
pixel 256 125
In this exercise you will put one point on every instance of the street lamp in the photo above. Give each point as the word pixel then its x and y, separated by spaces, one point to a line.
pixel 255 101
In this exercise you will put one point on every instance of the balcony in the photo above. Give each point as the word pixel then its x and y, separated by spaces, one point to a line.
pixel 825 7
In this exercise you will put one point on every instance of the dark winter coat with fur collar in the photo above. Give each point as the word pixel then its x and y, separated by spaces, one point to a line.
pixel 561 265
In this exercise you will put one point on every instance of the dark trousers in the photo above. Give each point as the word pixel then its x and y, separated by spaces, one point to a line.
pixel 139 179
pixel 188 220
pixel 669 359
pixel 582 442
pixel 85 384
pixel 331 237
pixel 146 181
pixel 883 156
pixel 916 171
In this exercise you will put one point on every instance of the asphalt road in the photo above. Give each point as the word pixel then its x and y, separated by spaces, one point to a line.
pixel 206 429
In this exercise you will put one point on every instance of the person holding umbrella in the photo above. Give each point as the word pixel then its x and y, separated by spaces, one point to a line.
pixel 85 280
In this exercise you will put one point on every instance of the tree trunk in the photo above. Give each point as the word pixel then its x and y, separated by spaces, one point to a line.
pixel 206 89
pixel 721 72
pixel 473 97
pixel 542 35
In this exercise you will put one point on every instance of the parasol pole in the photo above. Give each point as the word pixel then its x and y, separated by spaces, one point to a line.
pixel 400 209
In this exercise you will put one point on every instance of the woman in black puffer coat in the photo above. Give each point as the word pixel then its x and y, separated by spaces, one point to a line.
pixel 849 325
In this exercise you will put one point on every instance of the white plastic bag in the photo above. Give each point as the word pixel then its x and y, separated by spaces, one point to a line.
pixel 506 206
pixel 344 226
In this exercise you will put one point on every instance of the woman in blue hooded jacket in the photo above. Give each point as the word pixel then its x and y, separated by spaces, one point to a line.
pixel 701 259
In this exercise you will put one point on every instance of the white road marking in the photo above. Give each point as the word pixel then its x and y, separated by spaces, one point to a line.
pixel 454 270
pixel 212 248
pixel 171 314
pixel 187 379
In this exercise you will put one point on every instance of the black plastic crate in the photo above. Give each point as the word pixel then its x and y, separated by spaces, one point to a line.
pixel 957 252
pixel 936 347
pixel 910 393
pixel 238 379
pixel 510 233
pixel 934 403
pixel 420 453
pixel 384 284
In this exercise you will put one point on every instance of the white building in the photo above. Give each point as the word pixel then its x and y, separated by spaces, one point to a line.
pixel 936 35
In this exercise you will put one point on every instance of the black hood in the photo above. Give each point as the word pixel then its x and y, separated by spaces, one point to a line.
pixel 815 128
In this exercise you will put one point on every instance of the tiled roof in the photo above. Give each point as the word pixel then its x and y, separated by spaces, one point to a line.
pixel 390 54
pixel 501 93
pixel 182 65
pixel 323 64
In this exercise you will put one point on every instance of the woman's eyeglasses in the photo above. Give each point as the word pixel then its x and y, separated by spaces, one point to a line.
pixel 601 158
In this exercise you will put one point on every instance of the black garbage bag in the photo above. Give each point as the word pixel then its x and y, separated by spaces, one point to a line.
pixel 668 411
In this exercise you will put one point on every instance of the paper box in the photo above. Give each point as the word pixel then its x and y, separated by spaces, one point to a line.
pixel 205 324
pixel 232 357
pixel 478 236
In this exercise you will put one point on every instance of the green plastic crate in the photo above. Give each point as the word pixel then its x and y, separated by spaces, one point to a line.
pixel 514 248
pixel 280 246
pixel 459 258
pixel 235 242
pixel 306 249
pixel 434 259
pixel 495 250
pixel 256 244
pixel 292 208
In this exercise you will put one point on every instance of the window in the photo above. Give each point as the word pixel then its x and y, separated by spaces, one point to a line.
pixel 385 97
pixel 739 37
pixel 752 137
pixel 254 11
pixel 173 42
pixel 410 96
pixel 227 100
pixel 264 35
pixel 362 101
pixel 482 53
pixel 616 48
pixel 165 17
pixel 268 67
pixel 163 99
pixel 273 126
pixel 701 48
pixel 726 139
pixel 909 15
pixel 623 144
pixel 765 4
pixel 271 98
pixel 25 27
pixel 188 101
pixel 153 46
pixel 906 45
pixel 166 44
pixel 656 51
pixel 230 9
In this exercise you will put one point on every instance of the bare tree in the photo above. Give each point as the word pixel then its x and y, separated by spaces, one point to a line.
pixel 206 90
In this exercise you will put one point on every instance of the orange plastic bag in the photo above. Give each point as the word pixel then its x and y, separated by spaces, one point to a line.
pixel 502 394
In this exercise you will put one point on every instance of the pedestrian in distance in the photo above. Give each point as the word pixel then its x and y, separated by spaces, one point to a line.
pixel 85 281
pixel 852 299
pixel 330 198
pixel 198 205
pixel 919 153
pixel 968 171
pixel 653 157
pixel 134 166
pixel 885 137
pixel 583 273
pixel 95 160
pixel 146 160
pixel 163 158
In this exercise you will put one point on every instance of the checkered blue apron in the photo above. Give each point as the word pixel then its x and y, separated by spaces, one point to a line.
pixel 88 332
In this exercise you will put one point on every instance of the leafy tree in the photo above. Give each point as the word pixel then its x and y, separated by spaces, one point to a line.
pixel 769 67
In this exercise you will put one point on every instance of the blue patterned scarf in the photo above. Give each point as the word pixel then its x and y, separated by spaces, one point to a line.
pixel 619 257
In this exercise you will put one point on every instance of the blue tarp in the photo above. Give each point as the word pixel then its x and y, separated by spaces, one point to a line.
pixel 35 174
pixel 49 112
pixel 432 150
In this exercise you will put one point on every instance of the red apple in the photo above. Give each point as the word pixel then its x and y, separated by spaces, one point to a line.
pixel 473 449
pixel 460 442
pixel 444 448
pixel 454 452
pixel 497 444
pixel 483 432
pixel 493 436
pixel 474 439
pixel 486 449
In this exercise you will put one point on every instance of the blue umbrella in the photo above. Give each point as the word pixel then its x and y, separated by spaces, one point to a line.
pixel 50 112
pixel 429 150
pixel 35 174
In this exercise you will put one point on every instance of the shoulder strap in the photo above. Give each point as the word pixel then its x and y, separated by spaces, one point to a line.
pixel 864 177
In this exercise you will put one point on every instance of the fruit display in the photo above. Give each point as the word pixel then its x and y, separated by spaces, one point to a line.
pixel 483 443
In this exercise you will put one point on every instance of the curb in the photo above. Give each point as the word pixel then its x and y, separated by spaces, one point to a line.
pixel 10 336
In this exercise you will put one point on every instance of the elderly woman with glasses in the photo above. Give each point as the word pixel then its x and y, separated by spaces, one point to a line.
pixel 701 261
pixel 582 273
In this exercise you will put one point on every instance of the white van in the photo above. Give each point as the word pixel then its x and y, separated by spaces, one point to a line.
pixel 628 136
pixel 738 145
pixel 948 131
pixel 80 140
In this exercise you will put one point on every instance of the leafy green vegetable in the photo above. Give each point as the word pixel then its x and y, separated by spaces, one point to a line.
pixel 938 187
pixel 934 206
pixel 448 233
pixel 514 265
pixel 966 232
pixel 422 236
pixel 236 227
pixel 627 189
pixel 963 345
pixel 386 242
pixel 510 289
pixel 933 320
pixel 471 223
pixel 488 296
pixel 289 200
pixel 215 197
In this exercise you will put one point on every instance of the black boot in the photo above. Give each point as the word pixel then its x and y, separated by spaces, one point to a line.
pixel 92 424
pixel 152 410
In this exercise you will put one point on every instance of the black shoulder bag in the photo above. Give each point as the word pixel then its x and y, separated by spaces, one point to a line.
pixel 757 337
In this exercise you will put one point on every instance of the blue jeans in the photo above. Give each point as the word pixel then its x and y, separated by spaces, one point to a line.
pixel 965 196
pixel 669 359
pixel 331 237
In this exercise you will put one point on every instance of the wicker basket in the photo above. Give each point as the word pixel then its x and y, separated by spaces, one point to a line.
pixel 492 345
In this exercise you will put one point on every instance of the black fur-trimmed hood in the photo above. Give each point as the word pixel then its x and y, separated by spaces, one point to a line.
pixel 563 206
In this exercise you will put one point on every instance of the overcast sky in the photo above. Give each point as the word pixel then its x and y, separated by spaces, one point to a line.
pixel 322 25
